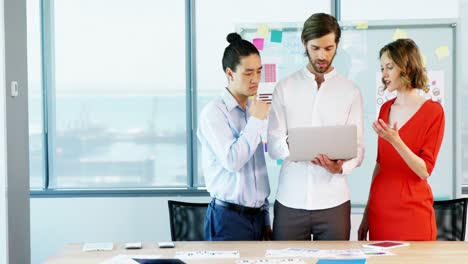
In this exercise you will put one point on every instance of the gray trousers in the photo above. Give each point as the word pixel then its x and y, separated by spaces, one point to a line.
pixel 298 224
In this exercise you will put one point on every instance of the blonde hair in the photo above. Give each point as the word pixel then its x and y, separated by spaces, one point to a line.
pixel 405 54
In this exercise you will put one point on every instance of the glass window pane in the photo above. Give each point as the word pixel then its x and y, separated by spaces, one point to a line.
pixel 119 114
pixel 211 42
pixel 464 89
pixel 36 144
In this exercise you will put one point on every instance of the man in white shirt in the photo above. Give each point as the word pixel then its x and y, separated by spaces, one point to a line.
pixel 313 196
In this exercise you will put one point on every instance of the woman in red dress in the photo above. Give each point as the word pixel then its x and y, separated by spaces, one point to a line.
pixel 410 131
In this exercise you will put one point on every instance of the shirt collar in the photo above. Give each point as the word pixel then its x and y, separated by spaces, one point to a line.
pixel 229 100
pixel 326 75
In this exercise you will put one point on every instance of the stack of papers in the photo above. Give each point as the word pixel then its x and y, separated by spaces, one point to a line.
pixel 292 252
pixel 207 254
pixel 329 254
pixel 271 261
pixel 128 259
pixel 140 259
pixel 97 246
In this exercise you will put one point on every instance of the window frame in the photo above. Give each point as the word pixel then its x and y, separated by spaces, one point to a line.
pixel 49 108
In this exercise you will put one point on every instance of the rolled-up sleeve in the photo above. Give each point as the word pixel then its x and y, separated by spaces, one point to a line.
pixel 356 117
pixel 277 128
pixel 433 140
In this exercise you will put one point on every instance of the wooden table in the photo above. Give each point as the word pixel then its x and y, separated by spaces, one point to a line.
pixel 416 253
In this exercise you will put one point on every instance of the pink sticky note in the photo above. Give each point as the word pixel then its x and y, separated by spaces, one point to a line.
pixel 258 43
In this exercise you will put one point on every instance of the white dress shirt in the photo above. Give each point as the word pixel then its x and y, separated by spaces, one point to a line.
pixel 233 158
pixel 297 102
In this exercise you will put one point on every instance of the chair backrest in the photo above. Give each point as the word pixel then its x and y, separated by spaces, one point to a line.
pixel 451 219
pixel 187 220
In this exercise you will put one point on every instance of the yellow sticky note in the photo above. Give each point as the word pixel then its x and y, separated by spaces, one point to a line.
pixel 442 52
pixel 399 34
pixel 262 31
pixel 362 25
pixel 423 58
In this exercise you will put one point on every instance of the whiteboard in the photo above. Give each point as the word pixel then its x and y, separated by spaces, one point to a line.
pixel 357 59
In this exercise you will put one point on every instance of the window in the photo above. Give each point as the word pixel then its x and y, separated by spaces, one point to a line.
pixel 112 112
pixel 464 89
pixel 116 111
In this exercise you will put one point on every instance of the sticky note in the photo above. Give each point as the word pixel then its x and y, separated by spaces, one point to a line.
pixel 276 36
pixel 442 52
pixel 268 73
pixel 399 34
pixel 362 25
pixel 262 31
pixel 423 58
pixel 258 43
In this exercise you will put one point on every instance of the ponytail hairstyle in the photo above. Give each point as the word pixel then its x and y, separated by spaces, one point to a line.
pixel 236 49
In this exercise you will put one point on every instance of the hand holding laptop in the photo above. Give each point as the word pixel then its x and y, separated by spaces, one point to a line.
pixel 333 166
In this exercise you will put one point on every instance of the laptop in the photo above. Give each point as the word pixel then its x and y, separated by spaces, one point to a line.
pixel 337 142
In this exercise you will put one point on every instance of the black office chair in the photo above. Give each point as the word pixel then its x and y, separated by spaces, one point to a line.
pixel 451 219
pixel 187 220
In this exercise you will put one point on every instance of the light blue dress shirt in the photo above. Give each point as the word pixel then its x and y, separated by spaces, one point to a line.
pixel 232 153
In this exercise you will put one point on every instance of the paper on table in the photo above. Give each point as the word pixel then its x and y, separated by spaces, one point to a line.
pixel 271 261
pixel 292 252
pixel 207 254
pixel 386 244
pixel 120 259
pixel 317 253
pixel 341 261
pixel 98 246
pixel 129 259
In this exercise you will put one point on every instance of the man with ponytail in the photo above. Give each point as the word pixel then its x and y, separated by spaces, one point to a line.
pixel 229 131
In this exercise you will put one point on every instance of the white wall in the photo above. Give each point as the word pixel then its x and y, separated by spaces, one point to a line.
pixel 58 221
pixel 397 9
pixel 3 208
